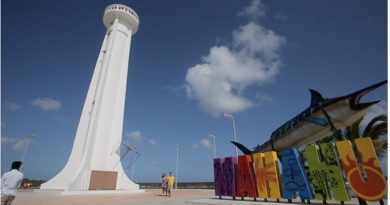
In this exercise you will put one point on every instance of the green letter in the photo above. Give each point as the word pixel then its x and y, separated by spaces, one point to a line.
pixel 325 172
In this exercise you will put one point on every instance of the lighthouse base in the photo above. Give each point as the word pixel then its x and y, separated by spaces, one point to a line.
pixel 86 192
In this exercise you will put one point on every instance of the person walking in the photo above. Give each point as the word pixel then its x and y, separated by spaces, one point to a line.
pixel 10 183
pixel 164 184
pixel 171 181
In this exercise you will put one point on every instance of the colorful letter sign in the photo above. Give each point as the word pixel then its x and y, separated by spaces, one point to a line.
pixel 257 175
pixel 229 176
pixel 245 179
pixel 325 172
pixel 218 176
pixel 266 169
pixel 225 176
pixel 371 188
pixel 294 178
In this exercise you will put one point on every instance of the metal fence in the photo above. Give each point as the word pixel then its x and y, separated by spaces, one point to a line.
pixel 180 185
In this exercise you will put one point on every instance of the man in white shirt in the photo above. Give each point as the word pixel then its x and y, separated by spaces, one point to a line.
pixel 10 183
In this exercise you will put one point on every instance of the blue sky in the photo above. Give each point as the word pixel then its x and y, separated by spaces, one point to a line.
pixel 190 61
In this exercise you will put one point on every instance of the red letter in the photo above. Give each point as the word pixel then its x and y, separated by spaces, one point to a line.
pixel 245 184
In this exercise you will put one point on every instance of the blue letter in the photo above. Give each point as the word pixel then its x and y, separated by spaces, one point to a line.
pixel 294 178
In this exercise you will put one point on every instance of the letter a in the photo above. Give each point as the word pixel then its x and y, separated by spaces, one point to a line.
pixel 374 187
pixel 245 185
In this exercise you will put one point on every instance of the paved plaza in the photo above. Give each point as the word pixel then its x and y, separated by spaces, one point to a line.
pixel 149 197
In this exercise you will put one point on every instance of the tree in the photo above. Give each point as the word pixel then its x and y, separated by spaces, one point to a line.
pixel 376 129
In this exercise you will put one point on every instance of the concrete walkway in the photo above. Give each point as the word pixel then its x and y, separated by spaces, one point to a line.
pixel 151 197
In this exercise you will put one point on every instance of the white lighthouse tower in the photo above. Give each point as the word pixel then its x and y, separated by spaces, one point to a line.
pixel 94 163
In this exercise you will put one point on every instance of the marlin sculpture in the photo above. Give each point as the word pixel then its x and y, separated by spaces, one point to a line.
pixel 322 118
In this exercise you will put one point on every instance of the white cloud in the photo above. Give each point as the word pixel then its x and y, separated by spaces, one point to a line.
pixel 254 41
pixel 7 140
pixel 280 16
pixel 263 98
pixel 47 104
pixel 12 106
pixel 219 82
pixel 203 143
pixel 152 141
pixel 135 137
pixel 255 10
pixel 17 144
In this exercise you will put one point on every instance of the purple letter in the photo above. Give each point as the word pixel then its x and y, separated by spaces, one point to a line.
pixel 218 176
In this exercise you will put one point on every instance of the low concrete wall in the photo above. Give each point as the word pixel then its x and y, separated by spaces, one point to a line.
pixel 181 185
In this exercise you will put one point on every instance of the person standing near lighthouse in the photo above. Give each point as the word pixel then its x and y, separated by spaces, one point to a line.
pixel 171 182
pixel 10 183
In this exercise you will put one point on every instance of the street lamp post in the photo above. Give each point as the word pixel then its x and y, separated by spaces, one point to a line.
pixel 177 163
pixel 215 152
pixel 30 137
pixel 132 168
pixel 229 116
pixel 136 154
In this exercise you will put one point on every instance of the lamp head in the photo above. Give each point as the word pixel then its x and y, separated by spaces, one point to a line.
pixel 228 116
pixel 31 136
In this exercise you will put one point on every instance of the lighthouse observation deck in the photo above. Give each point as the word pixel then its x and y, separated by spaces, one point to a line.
pixel 121 11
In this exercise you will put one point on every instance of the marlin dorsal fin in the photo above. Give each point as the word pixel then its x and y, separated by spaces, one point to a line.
pixel 316 98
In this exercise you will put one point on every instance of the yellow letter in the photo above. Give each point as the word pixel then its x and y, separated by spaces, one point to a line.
pixel 266 169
